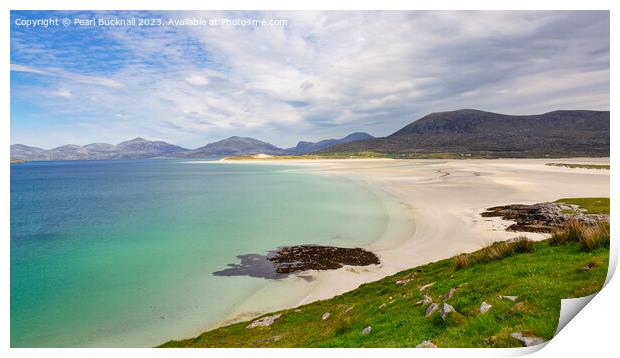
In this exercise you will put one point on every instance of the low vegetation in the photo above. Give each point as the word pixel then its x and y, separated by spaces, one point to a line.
pixel 584 166
pixel 591 205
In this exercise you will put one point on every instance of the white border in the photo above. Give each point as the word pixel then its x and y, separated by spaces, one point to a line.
pixel 592 332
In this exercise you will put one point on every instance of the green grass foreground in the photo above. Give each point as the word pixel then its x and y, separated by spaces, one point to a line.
pixel 540 276
pixel 584 166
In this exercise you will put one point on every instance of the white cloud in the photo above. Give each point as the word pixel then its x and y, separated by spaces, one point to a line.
pixel 329 73
pixel 72 76
pixel 62 93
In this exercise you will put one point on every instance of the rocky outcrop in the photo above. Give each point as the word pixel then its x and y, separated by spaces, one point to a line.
pixel 367 330
pixel 280 263
pixel 313 257
pixel 542 217
pixel 264 322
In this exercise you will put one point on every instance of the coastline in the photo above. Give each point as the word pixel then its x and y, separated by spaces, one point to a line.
pixel 444 198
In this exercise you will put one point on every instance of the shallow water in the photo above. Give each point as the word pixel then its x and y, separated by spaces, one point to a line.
pixel 121 253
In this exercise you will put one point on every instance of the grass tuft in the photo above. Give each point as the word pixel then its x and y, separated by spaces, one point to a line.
pixel 589 236
pixel 494 251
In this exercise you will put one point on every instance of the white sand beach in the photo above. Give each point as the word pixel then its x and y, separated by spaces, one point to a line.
pixel 445 198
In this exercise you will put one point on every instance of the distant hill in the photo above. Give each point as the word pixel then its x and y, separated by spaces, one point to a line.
pixel 138 148
pixel 464 131
pixel 230 147
pixel 310 147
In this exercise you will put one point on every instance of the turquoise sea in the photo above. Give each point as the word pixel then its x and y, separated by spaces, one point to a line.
pixel 121 253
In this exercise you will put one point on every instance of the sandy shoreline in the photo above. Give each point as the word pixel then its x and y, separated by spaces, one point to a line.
pixel 445 198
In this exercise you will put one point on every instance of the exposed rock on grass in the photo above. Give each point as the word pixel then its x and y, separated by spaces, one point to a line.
pixel 422 288
pixel 485 307
pixel 426 344
pixel 446 308
pixel 265 321
pixel 449 294
pixel 425 301
pixel 526 339
pixel 431 309
pixel 367 330
pixel 326 316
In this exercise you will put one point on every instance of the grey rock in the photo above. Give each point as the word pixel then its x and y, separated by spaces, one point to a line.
pixel 326 316
pixel 426 344
pixel 449 294
pixel 527 341
pixel 265 321
pixel 422 288
pixel 510 298
pixel 402 282
pixel 431 309
pixel 445 309
pixel 485 307
pixel 542 217
pixel 367 330
pixel 425 301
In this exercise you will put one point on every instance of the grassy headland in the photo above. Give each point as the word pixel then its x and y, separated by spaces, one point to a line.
pixel 591 205
pixel 584 166
pixel 538 274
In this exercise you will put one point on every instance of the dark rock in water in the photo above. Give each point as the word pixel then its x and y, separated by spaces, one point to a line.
pixel 252 265
pixel 542 217
pixel 280 263
pixel 313 257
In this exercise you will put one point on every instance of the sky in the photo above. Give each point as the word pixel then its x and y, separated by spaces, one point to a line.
pixel 319 75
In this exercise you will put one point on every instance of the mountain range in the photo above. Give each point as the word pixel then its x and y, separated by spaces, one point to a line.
pixel 140 148
pixel 557 133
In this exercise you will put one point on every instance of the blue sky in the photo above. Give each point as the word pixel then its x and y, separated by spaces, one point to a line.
pixel 323 75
